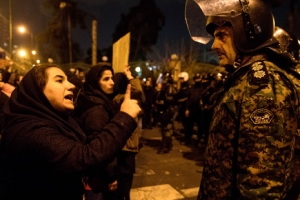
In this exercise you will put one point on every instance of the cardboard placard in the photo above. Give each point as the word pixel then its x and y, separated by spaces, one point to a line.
pixel 121 53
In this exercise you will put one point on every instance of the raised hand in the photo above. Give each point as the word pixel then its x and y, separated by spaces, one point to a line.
pixel 127 72
pixel 130 106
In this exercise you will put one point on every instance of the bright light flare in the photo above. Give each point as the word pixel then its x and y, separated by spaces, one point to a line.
pixel 22 53
pixel 22 29
pixel 137 69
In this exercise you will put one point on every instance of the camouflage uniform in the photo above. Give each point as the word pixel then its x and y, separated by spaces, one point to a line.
pixel 295 78
pixel 252 135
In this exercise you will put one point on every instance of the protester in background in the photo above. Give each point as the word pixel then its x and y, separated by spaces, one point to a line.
pixel 3 62
pixel 7 79
pixel 44 153
pixel 19 78
pixel 80 74
pixel 95 108
pixel 5 88
pixel 126 158
pixel 73 77
pixel 6 70
pixel 5 92
pixel 141 101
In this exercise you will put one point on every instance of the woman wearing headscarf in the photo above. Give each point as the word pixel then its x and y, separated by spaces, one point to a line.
pixel 44 153
pixel 95 108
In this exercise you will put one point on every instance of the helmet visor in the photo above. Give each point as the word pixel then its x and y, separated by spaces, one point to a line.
pixel 219 7
pixel 196 21
pixel 197 12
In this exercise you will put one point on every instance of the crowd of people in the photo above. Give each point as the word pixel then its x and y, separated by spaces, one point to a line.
pixel 183 101
pixel 76 111
pixel 49 147
pixel 74 135
pixel 68 108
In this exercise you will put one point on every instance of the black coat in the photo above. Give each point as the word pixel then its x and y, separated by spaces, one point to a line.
pixel 45 154
pixel 94 111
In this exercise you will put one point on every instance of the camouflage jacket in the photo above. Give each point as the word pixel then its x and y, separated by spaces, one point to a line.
pixel 294 76
pixel 249 154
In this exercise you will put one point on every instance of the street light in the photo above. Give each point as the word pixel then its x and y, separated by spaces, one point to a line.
pixel 22 53
pixel 63 5
pixel 22 30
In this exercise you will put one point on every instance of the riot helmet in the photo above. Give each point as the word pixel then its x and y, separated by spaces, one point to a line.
pixel 167 77
pixel 252 21
pixel 284 48
pixel 197 77
pixel 183 76
pixel 205 78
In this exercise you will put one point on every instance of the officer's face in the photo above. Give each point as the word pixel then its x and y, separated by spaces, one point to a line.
pixel 224 45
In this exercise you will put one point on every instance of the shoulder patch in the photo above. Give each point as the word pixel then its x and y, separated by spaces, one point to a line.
pixel 261 116
pixel 258 73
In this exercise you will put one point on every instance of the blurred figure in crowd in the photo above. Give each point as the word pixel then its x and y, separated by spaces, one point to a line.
pixel 158 103
pixel 167 98
pixel 80 74
pixel 181 101
pixel 5 88
pixel 73 77
pixel 3 62
pixel 194 109
pixel 126 158
pixel 147 106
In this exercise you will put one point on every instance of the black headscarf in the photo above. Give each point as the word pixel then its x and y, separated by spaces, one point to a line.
pixel 92 94
pixel 121 82
pixel 28 103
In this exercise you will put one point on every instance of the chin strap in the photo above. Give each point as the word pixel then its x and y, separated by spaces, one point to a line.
pixel 237 62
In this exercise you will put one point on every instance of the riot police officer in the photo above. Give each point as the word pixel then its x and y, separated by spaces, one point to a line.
pixel 194 109
pixel 249 154
pixel 284 55
pixel 166 120
pixel 181 101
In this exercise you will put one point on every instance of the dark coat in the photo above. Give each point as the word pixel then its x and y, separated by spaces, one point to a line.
pixel 94 108
pixel 94 111
pixel 3 99
pixel 45 154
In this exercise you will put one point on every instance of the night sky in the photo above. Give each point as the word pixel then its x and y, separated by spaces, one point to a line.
pixel 31 14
